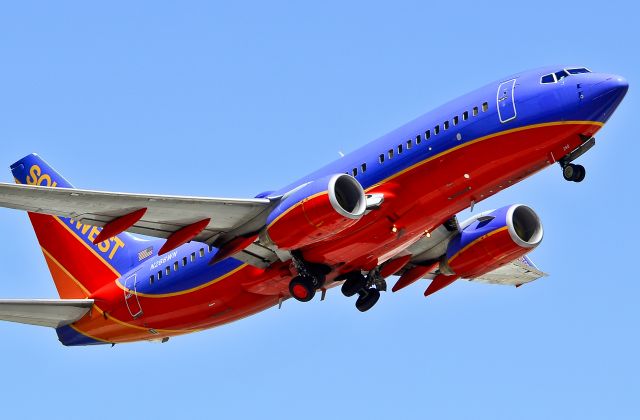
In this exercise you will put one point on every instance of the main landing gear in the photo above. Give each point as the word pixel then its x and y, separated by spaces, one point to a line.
pixel 575 173
pixel 310 278
pixel 366 287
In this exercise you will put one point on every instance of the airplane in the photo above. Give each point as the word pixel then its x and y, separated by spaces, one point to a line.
pixel 386 209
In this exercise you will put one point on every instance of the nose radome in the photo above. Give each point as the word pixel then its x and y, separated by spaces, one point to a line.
pixel 622 84
pixel 605 95
pixel 612 87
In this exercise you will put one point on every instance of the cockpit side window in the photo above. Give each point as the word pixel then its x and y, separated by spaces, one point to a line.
pixel 561 74
pixel 548 78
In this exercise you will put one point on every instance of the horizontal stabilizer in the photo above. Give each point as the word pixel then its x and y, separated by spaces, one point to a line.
pixel 44 312
pixel 515 273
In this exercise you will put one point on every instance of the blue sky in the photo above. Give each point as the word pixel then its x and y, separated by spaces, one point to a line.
pixel 211 99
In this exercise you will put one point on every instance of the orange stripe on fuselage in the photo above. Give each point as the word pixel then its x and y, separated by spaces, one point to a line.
pixel 111 329
pixel 480 139
pixel 182 292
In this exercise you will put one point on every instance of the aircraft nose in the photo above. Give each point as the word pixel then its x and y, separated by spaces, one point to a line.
pixel 612 87
pixel 605 95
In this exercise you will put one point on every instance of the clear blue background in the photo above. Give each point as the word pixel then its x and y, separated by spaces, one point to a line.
pixel 210 99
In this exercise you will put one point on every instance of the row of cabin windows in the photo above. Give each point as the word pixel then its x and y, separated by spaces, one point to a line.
pixel 176 265
pixel 363 169
pixel 436 130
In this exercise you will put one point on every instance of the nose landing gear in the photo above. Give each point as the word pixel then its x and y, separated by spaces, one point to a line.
pixel 575 173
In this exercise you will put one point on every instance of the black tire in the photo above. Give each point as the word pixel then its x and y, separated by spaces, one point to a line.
pixel 368 300
pixel 353 283
pixel 302 288
pixel 580 174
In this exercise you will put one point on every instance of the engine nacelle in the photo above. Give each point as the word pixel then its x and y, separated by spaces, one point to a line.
pixel 315 211
pixel 492 239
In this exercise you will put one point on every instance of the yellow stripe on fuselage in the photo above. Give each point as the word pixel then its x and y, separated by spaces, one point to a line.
pixel 182 292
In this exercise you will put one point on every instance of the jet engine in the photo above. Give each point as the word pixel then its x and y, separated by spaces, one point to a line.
pixel 491 239
pixel 315 211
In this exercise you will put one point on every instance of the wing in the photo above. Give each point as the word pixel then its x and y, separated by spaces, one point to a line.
pixel 516 273
pixel 164 214
pixel 44 312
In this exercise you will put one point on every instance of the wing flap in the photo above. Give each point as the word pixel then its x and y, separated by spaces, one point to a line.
pixel 52 313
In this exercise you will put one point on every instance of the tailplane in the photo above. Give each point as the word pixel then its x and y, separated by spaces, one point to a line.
pixel 78 266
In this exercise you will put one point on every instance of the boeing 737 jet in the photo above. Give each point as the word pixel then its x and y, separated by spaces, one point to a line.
pixel 387 209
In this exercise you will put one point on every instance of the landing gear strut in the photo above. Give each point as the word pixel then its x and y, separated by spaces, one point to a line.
pixel 575 173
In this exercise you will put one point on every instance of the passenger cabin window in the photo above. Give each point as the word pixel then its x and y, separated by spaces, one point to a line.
pixel 436 129
pixel 159 274
pixel 446 125
pixel 151 279
pixel 456 120
pixel 184 261
pixel 202 252
pixel 485 107
pixel 465 115
pixel 399 148
pixel 167 270
pixel 381 158
pixel 475 111
pixel 210 248
pixel 390 153
pixel 363 167
pixel 193 256
pixel 419 139
pixel 409 144
pixel 355 171
pixel 427 134
pixel 175 266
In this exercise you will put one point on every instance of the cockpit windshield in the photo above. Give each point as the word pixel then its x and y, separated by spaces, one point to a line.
pixel 559 75
pixel 578 71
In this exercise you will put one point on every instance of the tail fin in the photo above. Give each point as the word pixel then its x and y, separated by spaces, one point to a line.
pixel 78 267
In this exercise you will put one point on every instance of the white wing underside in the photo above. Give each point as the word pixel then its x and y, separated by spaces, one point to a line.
pixel 52 313
pixel 164 215
pixel 515 273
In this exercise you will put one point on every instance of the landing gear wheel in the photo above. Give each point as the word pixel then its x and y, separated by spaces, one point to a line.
pixel 353 283
pixel 575 173
pixel 581 173
pixel 302 288
pixel 367 299
pixel 568 172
